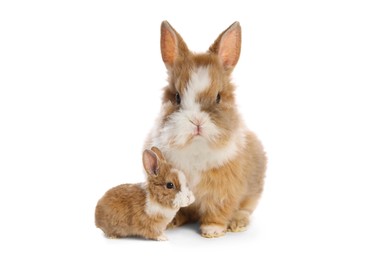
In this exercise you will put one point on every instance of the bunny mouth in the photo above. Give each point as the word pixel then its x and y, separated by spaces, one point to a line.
pixel 201 132
pixel 183 129
pixel 196 137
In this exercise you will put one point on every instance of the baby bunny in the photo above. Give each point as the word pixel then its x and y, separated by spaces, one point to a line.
pixel 144 209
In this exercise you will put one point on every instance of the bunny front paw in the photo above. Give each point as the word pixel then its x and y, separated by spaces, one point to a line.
pixel 212 231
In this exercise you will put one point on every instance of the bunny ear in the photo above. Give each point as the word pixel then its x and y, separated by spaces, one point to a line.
pixel 151 162
pixel 158 153
pixel 228 46
pixel 172 45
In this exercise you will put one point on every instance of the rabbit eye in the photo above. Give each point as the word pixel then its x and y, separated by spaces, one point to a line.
pixel 177 97
pixel 170 185
pixel 218 99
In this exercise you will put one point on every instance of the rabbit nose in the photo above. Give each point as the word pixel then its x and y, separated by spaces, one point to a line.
pixel 198 123
pixel 198 130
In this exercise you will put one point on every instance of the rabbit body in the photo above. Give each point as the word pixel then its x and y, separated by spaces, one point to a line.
pixel 200 132
pixel 144 209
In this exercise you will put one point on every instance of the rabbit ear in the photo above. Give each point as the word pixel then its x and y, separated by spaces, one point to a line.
pixel 228 46
pixel 151 162
pixel 158 153
pixel 172 45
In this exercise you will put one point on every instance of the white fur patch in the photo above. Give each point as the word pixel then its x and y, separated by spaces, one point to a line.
pixel 199 82
pixel 153 208
pixel 198 156
pixel 185 197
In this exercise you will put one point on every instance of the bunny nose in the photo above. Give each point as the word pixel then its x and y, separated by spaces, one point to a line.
pixel 198 124
pixel 198 130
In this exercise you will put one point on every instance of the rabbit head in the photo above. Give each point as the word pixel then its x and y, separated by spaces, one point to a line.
pixel 166 186
pixel 198 103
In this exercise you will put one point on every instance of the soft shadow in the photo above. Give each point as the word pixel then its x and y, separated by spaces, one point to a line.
pixel 190 226
pixel 130 238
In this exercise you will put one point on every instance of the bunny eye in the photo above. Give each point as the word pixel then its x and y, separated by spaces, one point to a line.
pixel 178 99
pixel 218 99
pixel 170 185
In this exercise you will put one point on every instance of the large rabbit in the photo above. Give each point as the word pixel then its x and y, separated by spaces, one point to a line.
pixel 200 132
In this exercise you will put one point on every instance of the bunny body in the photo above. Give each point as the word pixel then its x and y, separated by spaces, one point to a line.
pixel 144 209
pixel 201 133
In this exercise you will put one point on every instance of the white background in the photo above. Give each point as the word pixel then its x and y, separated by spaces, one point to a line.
pixel 80 87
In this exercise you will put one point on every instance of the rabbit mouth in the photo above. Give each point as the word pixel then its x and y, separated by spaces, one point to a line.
pixel 200 133
pixel 194 138
pixel 190 140
pixel 182 130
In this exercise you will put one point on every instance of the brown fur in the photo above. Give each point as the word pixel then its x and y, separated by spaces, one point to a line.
pixel 228 194
pixel 121 212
